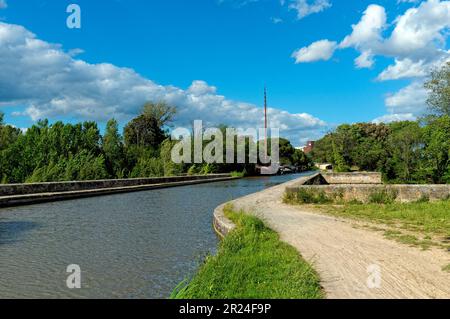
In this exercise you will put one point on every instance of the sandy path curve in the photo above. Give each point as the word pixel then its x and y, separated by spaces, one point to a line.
pixel 346 257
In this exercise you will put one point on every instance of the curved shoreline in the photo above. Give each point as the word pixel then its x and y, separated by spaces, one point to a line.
pixel 344 255
pixel 223 226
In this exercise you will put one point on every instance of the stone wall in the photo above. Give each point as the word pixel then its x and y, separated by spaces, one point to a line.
pixel 362 192
pixel 353 178
pixel 39 188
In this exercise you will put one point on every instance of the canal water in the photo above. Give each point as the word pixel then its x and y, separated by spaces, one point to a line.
pixel 135 245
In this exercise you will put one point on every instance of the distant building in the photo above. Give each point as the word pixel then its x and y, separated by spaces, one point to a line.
pixel 324 167
pixel 309 147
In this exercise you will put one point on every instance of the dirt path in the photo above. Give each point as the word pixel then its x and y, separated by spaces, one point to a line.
pixel 344 255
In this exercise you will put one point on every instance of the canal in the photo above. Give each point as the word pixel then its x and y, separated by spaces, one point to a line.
pixel 135 245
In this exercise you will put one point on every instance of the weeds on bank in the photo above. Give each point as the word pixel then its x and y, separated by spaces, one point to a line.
pixel 307 196
pixel 422 223
pixel 252 262
pixel 239 174
pixel 446 268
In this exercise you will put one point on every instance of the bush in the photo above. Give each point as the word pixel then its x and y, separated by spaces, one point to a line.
pixel 384 196
pixel 83 166
pixel 148 167
pixel 307 196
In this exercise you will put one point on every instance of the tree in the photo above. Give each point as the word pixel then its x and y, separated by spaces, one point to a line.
pixel 287 151
pixel 339 161
pixel 113 148
pixel 439 91
pixel 161 112
pixel 144 131
pixel 405 149
pixel 8 134
pixel 437 150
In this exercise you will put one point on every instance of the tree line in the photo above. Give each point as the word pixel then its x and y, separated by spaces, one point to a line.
pixel 73 152
pixel 405 152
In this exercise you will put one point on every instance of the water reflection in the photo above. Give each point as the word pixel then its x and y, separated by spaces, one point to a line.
pixel 14 231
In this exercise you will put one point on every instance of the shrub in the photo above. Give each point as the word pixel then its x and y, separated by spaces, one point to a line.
pixel 148 167
pixel 383 196
pixel 307 196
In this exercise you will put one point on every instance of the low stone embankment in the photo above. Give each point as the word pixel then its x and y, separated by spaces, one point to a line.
pixel 25 194
pixel 362 186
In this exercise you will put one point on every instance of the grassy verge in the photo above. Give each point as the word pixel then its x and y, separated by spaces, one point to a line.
pixel 422 223
pixel 446 268
pixel 251 263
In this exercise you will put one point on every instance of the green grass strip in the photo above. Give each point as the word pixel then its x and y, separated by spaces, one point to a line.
pixel 252 263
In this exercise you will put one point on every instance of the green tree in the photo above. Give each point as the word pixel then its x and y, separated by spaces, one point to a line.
pixel 439 91
pixel 405 149
pixel 144 131
pixel 170 168
pixel 339 161
pixel 436 138
pixel 113 149
pixel 162 112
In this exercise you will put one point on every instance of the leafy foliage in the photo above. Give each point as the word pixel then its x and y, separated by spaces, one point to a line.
pixel 405 152
pixel 439 87
pixel 63 152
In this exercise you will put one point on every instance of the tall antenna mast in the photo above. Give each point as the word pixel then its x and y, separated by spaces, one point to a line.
pixel 265 120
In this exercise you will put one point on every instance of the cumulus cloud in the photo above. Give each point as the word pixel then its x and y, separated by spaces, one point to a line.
pixel 320 50
pixel 3 4
pixel 411 99
pixel 52 83
pixel 367 32
pixel 415 40
pixel 395 118
pixel 405 68
pixel 307 7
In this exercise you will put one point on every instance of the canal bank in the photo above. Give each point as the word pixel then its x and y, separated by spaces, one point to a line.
pixel 28 194
pixel 346 257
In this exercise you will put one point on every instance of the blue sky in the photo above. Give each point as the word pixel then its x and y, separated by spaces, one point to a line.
pixel 212 58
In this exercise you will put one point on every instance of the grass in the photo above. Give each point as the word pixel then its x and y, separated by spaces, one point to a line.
pixel 252 263
pixel 383 196
pixel 422 223
pixel 307 196
pixel 446 268
pixel 432 218
pixel 315 196
pixel 238 174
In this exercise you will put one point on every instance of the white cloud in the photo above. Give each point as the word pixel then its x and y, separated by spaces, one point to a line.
pixel 411 99
pixel 3 4
pixel 320 50
pixel 367 32
pixel 418 36
pixel 417 43
pixel 420 33
pixel 389 118
pixel 365 60
pixel 276 20
pixel 52 83
pixel 405 68
pixel 307 7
